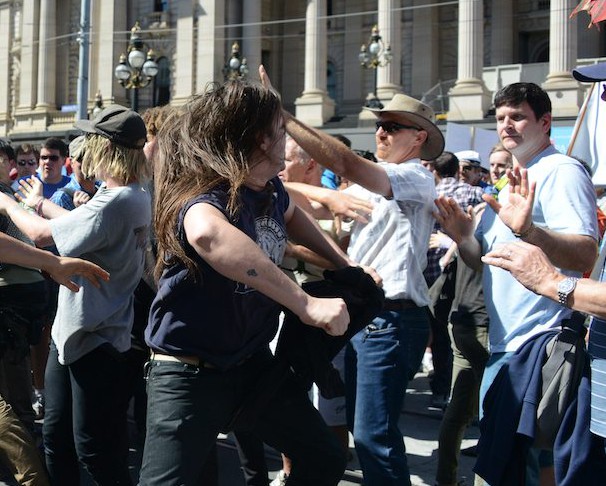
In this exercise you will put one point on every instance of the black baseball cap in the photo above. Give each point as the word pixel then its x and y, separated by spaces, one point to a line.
pixel 593 73
pixel 121 125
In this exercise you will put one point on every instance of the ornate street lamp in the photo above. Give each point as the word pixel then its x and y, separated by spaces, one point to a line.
pixel 138 69
pixel 235 68
pixel 376 55
pixel 98 108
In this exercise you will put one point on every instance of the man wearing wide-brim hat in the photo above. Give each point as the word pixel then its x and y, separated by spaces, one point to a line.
pixel 382 357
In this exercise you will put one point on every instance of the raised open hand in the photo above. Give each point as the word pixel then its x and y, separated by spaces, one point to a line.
pixel 63 269
pixel 454 222
pixel 30 191
pixel 516 210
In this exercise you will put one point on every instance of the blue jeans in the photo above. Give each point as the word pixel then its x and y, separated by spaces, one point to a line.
pixel 379 361
pixel 189 405
pixel 85 418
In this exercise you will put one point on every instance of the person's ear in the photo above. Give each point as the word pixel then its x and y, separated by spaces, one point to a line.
pixel 421 137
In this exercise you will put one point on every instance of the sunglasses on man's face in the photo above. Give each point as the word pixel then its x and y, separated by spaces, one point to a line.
pixel 31 162
pixel 52 158
pixel 393 127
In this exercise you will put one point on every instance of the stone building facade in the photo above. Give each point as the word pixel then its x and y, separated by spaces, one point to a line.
pixel 454 54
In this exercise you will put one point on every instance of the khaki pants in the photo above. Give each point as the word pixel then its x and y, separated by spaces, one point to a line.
pixel 18 451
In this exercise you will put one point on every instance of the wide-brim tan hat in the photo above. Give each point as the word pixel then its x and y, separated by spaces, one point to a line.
pixel 422 116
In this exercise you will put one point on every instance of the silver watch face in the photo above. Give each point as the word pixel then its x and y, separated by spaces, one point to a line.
pixel 566 286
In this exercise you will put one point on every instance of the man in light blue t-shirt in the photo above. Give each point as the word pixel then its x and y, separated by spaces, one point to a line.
pixel 562 222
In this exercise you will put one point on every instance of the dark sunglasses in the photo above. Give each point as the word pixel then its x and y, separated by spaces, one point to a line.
pixel 30 162
pixel 52 158
pixel 393 127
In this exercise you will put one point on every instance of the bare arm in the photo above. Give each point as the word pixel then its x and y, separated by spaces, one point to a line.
pixel 336 203
pixel 331 153
pixel 61 269
pixel 532 268
pixel 33 226
pixel 569 251
pixel 300 252
pixel 234 255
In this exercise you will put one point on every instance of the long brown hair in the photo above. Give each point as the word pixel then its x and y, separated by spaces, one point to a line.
pixel 211 142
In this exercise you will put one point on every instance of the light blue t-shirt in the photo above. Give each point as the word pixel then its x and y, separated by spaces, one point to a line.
pixel 565 202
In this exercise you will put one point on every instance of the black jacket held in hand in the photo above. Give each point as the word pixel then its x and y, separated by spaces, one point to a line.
pixel 307 350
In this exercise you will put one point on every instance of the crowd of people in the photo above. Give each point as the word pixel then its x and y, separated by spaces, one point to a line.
pixel 182 247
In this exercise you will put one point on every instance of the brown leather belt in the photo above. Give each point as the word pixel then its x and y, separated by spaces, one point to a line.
pixel 399 304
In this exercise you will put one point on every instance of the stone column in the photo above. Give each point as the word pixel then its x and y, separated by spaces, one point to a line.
pixel 469 98
pixel 28 81
pixel 107 20
pixel 314 106
pixel 390 29
pixel 185 51
pixel 6 34
pixel 47 54
pixel 501 33
pixel 251 35
pixel 565 93
pixel 28 75
pixel 425 48
pixel 208 52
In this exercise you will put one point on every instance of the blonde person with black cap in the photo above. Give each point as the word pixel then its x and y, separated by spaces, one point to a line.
pixel 86 374
pixel 383 356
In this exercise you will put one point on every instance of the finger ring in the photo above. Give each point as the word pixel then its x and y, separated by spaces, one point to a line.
pixel 509 255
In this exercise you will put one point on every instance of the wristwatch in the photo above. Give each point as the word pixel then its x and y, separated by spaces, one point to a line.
pixel 565 288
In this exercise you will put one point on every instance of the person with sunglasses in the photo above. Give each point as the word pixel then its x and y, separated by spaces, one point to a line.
pixel 53 153
pixel 382 357
pixel 27 163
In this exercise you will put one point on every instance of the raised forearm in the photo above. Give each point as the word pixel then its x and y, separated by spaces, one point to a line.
pixel 330 153
pixel 471 252
pixel 567 251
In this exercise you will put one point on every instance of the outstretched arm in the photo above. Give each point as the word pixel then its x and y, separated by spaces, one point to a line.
pixel 61 269
pixel 532 268
pixel 570 251
pixel 334 203
pixel 33 226
pixel 331 153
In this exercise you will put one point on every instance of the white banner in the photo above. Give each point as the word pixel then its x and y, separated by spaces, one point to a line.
pixel 589 134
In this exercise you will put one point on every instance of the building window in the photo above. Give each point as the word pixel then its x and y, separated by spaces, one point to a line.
pixel 160 5
pixel 331 80
pixel 162 83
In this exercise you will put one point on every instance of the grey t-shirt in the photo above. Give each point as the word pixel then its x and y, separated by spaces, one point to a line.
pixel 110 230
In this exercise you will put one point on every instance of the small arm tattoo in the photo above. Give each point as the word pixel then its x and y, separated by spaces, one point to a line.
pixel 251 272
